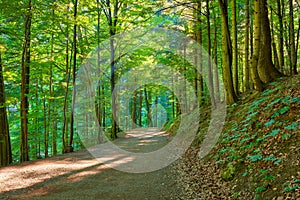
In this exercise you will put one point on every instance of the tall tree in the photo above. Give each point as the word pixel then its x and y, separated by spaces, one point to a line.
pixel 112 10
pixel 5 145
pixel 280 13
pixel 266 69
pixel 293 59
pixel 73 76
pixel 254 60
pixel 25 85
pixel 246 74
pixel 235 48
pixel 210 74
pixel 227 54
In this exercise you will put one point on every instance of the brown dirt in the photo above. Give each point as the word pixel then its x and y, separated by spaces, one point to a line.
pixel 78 175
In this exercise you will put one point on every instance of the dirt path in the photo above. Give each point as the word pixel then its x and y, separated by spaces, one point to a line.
pixel 79 176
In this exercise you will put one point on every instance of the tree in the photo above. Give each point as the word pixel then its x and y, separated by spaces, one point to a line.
pixel 227 54
pixel 293 56
pixel 262 67
pixel 280 12
pixel 210 74
pixel 5 147
pixel 235 48
pixel 73 76
pixel 266 69
pixel 25 86
pixel 246 74
pixel 112 11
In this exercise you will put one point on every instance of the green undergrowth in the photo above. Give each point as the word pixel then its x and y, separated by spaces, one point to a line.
pixel 258 152
pixel 261 141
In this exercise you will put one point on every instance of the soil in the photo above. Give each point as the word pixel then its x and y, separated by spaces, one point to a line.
pixel 79 175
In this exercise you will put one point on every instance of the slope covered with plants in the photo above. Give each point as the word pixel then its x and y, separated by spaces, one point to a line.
pixel 258 153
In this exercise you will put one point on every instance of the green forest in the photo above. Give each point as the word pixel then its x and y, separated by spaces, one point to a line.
pixel 253 64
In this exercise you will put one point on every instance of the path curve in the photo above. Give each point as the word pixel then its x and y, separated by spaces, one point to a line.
pixel 80 176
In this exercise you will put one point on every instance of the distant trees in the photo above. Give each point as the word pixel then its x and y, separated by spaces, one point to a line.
pixel 46 43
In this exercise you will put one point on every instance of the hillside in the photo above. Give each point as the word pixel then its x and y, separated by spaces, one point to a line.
pixel 258 153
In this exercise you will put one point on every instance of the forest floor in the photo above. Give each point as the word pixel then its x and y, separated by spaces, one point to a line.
pixel 257 157
pixel 258 153
pixel 79 175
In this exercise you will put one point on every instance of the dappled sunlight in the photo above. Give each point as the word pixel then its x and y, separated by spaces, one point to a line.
pixel 76 167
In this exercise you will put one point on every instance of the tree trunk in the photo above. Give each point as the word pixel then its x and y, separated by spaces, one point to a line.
pixel 293 59
pixel 25 87
pixel 247 76
pixel 70 148
pixel 148 106
pixel 235 48
pixel 5 147
pixel 274 48
pixel 227 55
pixel 215 55
pixel 51 89
pixel 134 121
pixel 140 108
pixel 210 74
pixel 280 12
pixel 266 69
pixel 45 120
pixel 256 46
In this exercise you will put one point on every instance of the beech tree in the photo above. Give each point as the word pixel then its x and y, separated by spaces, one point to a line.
pixel 5 145
pixel 25 86
pixel 227 54
pixel 262 67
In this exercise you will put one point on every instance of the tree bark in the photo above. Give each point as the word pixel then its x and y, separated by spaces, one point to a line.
pixel 293 59
pixel 235 48
pixel 266 69
pixel 247 76
pixel 5 145
pixel 210 74
pixel 70 148
pixel 280 11
pixel 215 55
pixel 227 55
pixel 24 150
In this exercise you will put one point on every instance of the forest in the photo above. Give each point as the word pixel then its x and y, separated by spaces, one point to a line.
pixel 243 46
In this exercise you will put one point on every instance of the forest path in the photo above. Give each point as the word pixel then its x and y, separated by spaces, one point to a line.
pixel 79 175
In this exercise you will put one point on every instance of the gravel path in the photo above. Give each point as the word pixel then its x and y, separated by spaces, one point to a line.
pixel 79 175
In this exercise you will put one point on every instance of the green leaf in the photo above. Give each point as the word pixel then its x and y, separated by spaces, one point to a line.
pixel 269 123
pixel 255 158
pixel 292 127
pixel 285 136
pixel 260 189
pixel 270 158
pixel 284 110
pixel 245 174
pixel 290 189
pixel 273 133
pixel 277 162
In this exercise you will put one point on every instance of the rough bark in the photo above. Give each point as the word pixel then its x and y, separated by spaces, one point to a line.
pixel 256 47
pixel 247 76
pixel 293 59
pixel 280 9
pixel 227 55
pixel 266 69
pixel 210 74
pixel 235 48
pixel 24 148
pixel 5 145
